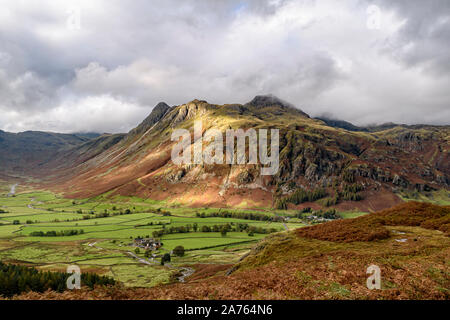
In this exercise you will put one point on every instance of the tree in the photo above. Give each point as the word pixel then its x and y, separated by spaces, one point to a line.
pixel 165 258
pixel 281 204
pixel 137 251
pixel 223 232
pixel 16 279
pixel 206 229
pixel 178 251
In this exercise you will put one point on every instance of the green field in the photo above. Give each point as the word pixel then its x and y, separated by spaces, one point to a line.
pixel 106 244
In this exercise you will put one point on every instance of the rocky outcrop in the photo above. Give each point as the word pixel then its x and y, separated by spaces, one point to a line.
pixel 245 177
pixel 176 176
pixel 187 111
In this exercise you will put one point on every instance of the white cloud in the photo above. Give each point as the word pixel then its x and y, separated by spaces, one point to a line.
pixel 102 112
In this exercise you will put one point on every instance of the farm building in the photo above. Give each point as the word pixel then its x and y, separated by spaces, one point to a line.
pixel 148 243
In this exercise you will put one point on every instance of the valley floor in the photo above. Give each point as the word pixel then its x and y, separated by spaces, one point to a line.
pixel 106 245
pixel 290 263
pixel 298 268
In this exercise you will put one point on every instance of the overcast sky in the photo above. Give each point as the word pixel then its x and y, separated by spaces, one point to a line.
pixel 101 65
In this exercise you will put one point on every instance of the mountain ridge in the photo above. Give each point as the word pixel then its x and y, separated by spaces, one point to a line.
pixel 358 170
pixel 312 155
pixel 336 123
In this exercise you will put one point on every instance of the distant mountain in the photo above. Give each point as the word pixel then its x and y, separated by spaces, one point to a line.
pixel 356 169
pixel 341 124
pixel 89 135
pixel 371 128
pixel 79 154
pixel 20 152
pixel 25 154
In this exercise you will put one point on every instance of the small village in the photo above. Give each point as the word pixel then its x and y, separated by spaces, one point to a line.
pixel 147 243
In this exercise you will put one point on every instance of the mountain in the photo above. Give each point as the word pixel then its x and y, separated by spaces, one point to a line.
pixel 88 135
pixel 341 124
pixel 158 112
pixel 371 128
pixel 22 152
pixel 319 165
pixel 272 101
pixel 79 154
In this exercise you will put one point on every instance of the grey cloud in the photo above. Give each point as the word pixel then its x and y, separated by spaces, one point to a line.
pixel 424 38
pixel 131 55
pixel 26 92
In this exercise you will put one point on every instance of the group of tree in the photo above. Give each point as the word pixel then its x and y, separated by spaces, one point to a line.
pixel 306 210
pixel 348 192
pixel 330 201
pixel 105 214
pixel 179 251
pixel 162 212
pixel 62 233
pixel 172 230
pixel 16 279
pixel 300 196
pixel 3 211
pixel 351 192
pixel 348 176
pixel 330 214
pixel 237 227
pixel 239 215
pixel 222 228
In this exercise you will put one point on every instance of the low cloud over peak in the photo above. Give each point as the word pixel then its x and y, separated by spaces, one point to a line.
pixel 102 65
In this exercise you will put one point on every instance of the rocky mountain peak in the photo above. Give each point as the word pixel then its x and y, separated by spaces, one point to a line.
pixel 270 100
pixel 157 114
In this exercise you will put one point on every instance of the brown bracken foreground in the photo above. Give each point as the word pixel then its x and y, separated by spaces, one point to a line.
pixel 372 227
pixel 410 243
